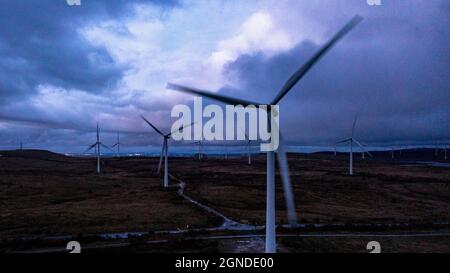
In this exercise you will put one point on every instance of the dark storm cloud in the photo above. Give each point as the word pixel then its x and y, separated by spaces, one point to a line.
pixel 39 43
pixel 392 72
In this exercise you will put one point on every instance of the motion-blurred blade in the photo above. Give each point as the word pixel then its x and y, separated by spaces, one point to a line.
pixel 287 187
pixel 354 126
pixel 343 141
pixel 149 123
pixel 161 157
pixel 362 147
pixel 299 74
pixel 211 95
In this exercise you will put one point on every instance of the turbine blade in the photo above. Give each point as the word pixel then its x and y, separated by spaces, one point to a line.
pixel 300 73
pixel 246 136
pixel 161 157
pixel 354 125
pixel 343 141
pixel 363 148
pixel 90 148
pixel 181 128
pixel 287 187
pixel 106 147
pixel 151 125
pixel 211 95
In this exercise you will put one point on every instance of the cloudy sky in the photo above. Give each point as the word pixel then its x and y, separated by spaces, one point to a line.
pixel 63 68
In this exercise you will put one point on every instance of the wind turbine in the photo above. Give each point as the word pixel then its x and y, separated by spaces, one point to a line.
pixel 249 147
pixel 284 170
pixel 363 153
pixel 226 151
pixel 97 145
pixel 117 144
pixel 200 150
pixel 164 151
pixel 352 140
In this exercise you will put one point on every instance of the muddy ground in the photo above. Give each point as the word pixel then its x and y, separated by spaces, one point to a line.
pixel 44 194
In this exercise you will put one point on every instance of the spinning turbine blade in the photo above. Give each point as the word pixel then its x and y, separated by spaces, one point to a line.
pixel 354 126
pixel 299 74
pixel 161 158
pixel 363 148
pixel 211 95
pixel 287 187
pixel 343 141
pixel 149 123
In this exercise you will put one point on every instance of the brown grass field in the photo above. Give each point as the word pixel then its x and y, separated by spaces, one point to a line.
pixel 44 194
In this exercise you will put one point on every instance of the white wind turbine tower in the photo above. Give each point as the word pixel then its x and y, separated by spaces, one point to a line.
pixel 352 140
pixel 97 145
pixel 284 170
pixel 165 150
pixel 117 144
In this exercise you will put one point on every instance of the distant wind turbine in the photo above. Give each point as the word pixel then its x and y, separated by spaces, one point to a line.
pixel 165 150
pixel 352 140
pixel 282 158
pixel 200 149
pixel 226 151
pixel 249 147
pixel 97 146
pixel 117 144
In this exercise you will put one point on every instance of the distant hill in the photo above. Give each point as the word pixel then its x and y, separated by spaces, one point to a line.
pixel 33 154
pixel 431 154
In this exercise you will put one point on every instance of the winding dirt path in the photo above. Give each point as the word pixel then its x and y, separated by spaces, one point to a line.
pixel 246 243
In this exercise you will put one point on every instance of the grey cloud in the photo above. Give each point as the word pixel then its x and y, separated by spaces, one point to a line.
pixel 39 43
pixel 393 73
